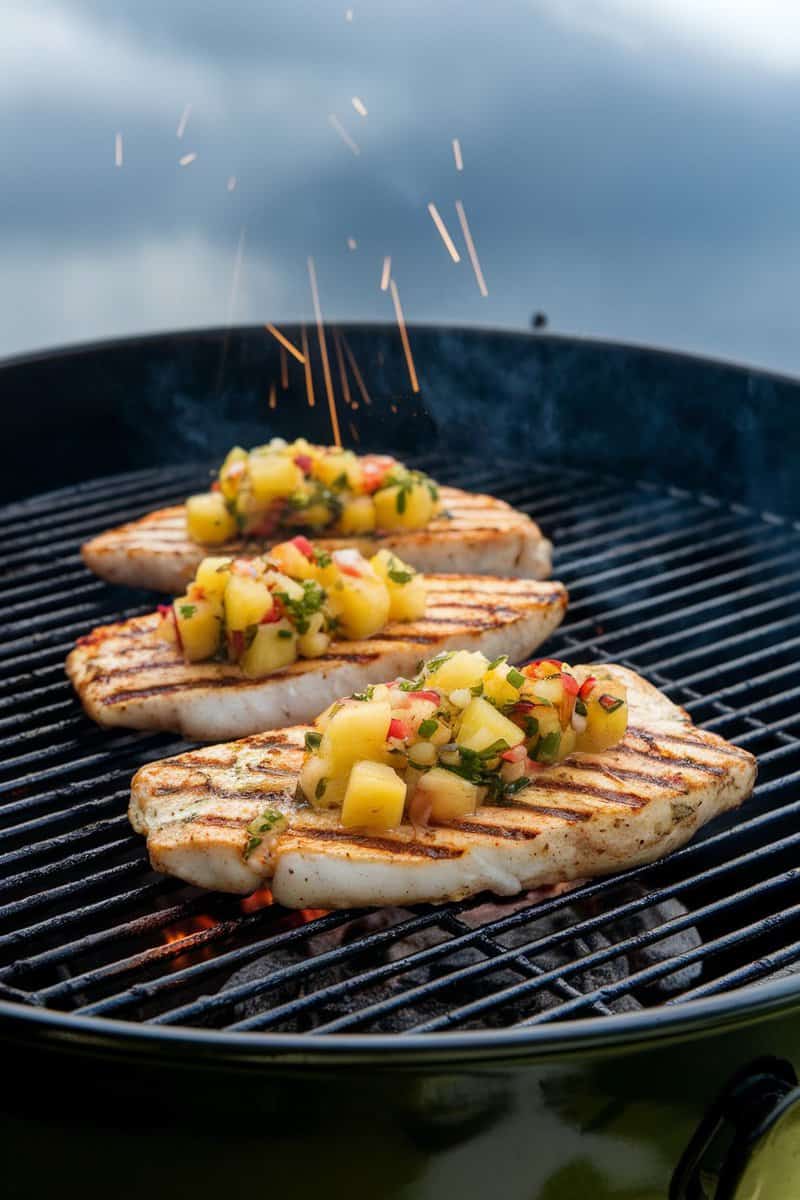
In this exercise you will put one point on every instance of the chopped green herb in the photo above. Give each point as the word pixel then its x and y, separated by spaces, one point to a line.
pixel 319 790
pixel 284 633
pixel 428 727
pixel 515 678
pixel 495 663
pixel 299 611
pixel 548 747
pixel 401 576
pixel 270 821
pixel 322 558
pixel 366 695
pixel 580 707
pixel 313 739
pixel 187 610
pixel 477 688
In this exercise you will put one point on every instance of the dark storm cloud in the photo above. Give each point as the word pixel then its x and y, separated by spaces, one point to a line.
pixel 636 186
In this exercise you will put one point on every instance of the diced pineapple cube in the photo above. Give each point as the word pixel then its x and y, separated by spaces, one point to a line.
pixel 407 591
pixel 274 646
pixel 315 640
pixel 357 731
pixel 403 507
pixel 361 605
pixel 208 519
pixel 375 797
pixel 497 688
pixel 199 624
pixel 273 475
pixel 291 561
pixel 319 785
pixel 316 516
pixel 213 575
pixel 463 669
pixel 247 601
pixel 357 516
pixel 331 466
pixel 450 796
pixel 233 471
pixel 606 721
pixel 482 725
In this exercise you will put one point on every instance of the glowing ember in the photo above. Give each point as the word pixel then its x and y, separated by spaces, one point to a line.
pixel 118 150
pixel 457 154
pixel 307 365
pixel 323 349
pixel 284 341
pixel 258 899
pixel 273 398
pixel 473 253
pixel 386 272
pixel 232 183
pixel 182 930
pixel 336 124
pixel 362 387
pixel 187 158
pixel 352 244
pixel 359 106
pixel 445 236
pixel 401 323
pixel 337 341
pixel 191 931
pixel 284 370
pixel 179 132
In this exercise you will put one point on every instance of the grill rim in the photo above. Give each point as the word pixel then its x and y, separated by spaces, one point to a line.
pixel 621 1031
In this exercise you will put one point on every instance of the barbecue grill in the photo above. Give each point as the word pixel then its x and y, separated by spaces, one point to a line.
pixel 630 1037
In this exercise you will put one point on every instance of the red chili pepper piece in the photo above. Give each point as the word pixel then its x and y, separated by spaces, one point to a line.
pixel 397 728
pixel 434 697
pixel 236 642
pixel 165 610
pixel 304 546
pixel 349 569
pixel 530 668
pixel 570 683
pixel 304 462
pixel 586 687
pixel 610 703
pixel 515 754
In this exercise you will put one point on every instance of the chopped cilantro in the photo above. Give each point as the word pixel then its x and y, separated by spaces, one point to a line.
pixel 548 747
pixel 580 707
pixel 270 821
pixel 321 557
pixel 365 695
pixel 401 576
pixel 299 611
pixel 284 633
pixel 187 610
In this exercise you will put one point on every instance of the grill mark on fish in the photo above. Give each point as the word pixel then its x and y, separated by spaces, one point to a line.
pixel 563 813
pixel 217 819
pixel 625 773
pixel 688 741
pixel 591 791
pixel 413 849
pixel 511 832
pixel 160 689
pixel 655 755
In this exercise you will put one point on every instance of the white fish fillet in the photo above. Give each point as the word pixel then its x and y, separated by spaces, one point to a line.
pixel 126 675
pixel 480 535
pixel 590 815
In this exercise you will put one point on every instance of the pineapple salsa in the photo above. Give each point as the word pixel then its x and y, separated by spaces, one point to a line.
pixel 263 613
pixel 297 485
pixel 465 732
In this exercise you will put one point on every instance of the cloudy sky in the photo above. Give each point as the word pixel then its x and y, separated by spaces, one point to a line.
pixel 630 167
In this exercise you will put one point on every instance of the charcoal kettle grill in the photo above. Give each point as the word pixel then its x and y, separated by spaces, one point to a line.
pixel 637 1037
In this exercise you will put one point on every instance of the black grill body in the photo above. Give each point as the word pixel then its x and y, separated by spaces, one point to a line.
pixel 396 1050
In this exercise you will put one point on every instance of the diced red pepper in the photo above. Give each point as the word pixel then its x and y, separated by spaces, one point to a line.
pixel 273 615
pixel 216 486
pixel 523 706
pixel 304 546
pixel 304 461
pixel 349 569
pixel 397 728
pixel 165 610
pixel 569 683
pixel 586 687
pixel 434 697
pixel 515 754
pixel 610 703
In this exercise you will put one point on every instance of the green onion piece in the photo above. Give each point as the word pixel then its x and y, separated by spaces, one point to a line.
pixel 313 739
pixel 548 747
pixel 515 678
pixel 187 610
pixel 284 633
pixel 496 662
pixel 428 727
pixel 319 790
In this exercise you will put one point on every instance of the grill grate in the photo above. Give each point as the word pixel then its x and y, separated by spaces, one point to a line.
pixel 699 596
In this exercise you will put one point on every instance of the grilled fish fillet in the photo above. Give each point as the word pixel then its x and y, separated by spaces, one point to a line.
pixel 590 815
pixel 478 534
pixel 126 675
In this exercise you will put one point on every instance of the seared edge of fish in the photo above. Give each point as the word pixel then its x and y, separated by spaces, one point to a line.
pixel 125 674
pixel 591 815
pixel 478 534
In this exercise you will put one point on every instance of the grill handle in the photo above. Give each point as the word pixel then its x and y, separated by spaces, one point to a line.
pixel 748 1143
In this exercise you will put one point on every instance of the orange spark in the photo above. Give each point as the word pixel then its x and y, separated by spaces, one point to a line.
pixel 336 124
pixel 284 370
pixel 284 341
pixel 359 106
pixel 307 365
pixel 232 183
pixel 457 154
pixel 473 253
pixel 352 244
pixel 445 236
pixel 323 349
pixel 118 150
pixel 342 370
pixel 187 158
pixel 386 272
pixel 273 399
pixel 412 371
pixel 179 132
pixel 362 387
